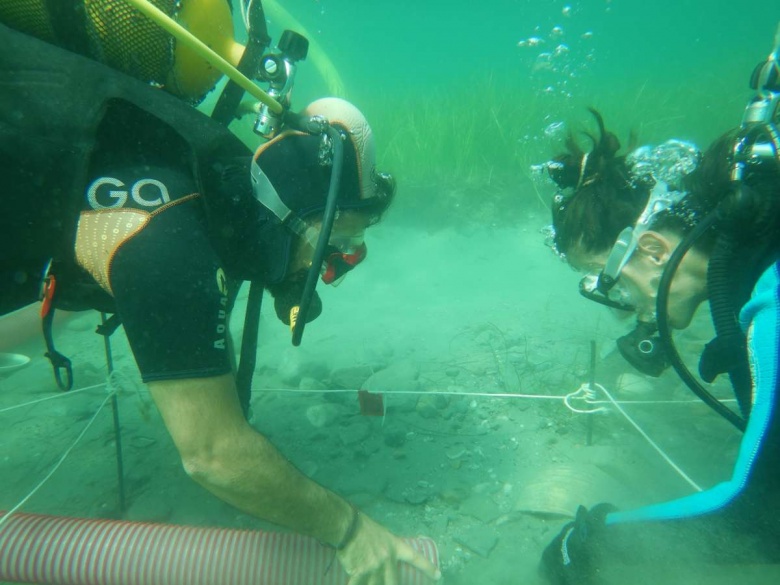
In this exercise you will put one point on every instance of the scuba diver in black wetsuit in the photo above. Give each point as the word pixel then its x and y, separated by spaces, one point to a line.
pixel 119 196
pixel 661 246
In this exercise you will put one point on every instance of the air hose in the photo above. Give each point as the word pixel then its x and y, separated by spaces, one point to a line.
pixel 202 50
pixel 662 307
pixel 729 334
pixel 299 322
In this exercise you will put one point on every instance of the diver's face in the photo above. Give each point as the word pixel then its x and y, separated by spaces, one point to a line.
pixel 640 278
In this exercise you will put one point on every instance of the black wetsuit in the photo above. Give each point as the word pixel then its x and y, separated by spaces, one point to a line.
pixel 166 280
pixel 131 192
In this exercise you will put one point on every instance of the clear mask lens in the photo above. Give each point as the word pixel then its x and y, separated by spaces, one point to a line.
pixel 616 296
pixel 340 261
pixel 347 244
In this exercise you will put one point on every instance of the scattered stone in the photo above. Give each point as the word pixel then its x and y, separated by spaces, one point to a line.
pixel 351 378
pixel 440 401
pixel 460 405
pixel 455 452
pixel 415 494
pixel 485 337
pixel 479 539
pixel 323 415
pixel 426 410
pixel 394 436
pixel 141 442
pixel 437 523
pixel 400 376
pixel 366 449
pixel 454 496
pixel 432 405
pixel 633 385
pixel 308 383
pixel 295 365
pixel 481 507
pixel 354 433
pixel 379 354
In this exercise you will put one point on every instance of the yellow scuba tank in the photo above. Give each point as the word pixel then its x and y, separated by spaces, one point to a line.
pixel 210 21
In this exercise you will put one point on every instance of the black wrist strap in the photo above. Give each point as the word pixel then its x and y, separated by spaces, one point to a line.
pixel 349 535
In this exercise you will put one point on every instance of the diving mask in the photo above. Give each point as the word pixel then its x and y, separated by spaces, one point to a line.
pixel 616 296
pixel 341 256
pixel 604 288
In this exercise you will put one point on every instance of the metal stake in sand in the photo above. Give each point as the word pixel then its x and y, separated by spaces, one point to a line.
pixel 117 431
pixel 592 385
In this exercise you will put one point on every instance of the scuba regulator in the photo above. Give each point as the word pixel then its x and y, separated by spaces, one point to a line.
pixel 278 68
pixel 279 71
pixel 741 217
pixel 644 349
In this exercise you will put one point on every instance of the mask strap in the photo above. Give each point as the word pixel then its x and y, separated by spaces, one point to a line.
pixel 660 199
pixel 267 195
pixel 583 164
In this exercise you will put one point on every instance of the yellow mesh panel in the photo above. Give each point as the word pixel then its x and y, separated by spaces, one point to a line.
pixel 126 40
pixel 28 16
pixel 100 234
pixel 123 38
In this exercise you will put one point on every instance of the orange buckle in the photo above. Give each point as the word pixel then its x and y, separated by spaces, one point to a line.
pixel 47 294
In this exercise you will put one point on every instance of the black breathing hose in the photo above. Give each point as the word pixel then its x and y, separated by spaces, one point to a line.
pixel 662 306
pixel 246 368
pixel 322 242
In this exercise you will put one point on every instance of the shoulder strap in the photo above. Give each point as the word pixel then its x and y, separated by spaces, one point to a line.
pixel 69 22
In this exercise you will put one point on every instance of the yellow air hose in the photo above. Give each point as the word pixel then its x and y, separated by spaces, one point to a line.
pixel 184 36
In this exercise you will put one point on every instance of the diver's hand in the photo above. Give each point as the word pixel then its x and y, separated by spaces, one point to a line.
pixel 567 560
pixel 371 556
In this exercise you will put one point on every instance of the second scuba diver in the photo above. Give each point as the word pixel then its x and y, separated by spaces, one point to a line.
pixel 659 235
pixel 121 197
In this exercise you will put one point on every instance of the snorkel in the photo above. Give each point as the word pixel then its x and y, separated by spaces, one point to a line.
pixel 756 145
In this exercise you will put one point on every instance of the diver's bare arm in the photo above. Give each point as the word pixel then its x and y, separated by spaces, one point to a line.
pixel 224 454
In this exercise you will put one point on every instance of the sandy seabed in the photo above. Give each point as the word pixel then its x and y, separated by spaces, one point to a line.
pixel 434 321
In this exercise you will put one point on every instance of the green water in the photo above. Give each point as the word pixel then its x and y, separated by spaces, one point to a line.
pixel 452 96
pixel 457 289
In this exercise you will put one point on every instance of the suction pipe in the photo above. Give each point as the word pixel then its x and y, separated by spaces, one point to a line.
pixel 73 551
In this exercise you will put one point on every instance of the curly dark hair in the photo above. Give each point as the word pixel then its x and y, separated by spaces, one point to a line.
pixel 598 198
pixel 601 199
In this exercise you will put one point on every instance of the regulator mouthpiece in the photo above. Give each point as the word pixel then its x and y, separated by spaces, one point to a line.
pixel 644 350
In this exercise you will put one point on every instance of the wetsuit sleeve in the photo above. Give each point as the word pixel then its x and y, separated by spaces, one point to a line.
pixel 171 294
pixel 759 318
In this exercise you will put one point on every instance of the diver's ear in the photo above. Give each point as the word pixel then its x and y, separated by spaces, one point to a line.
pixel 654 247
